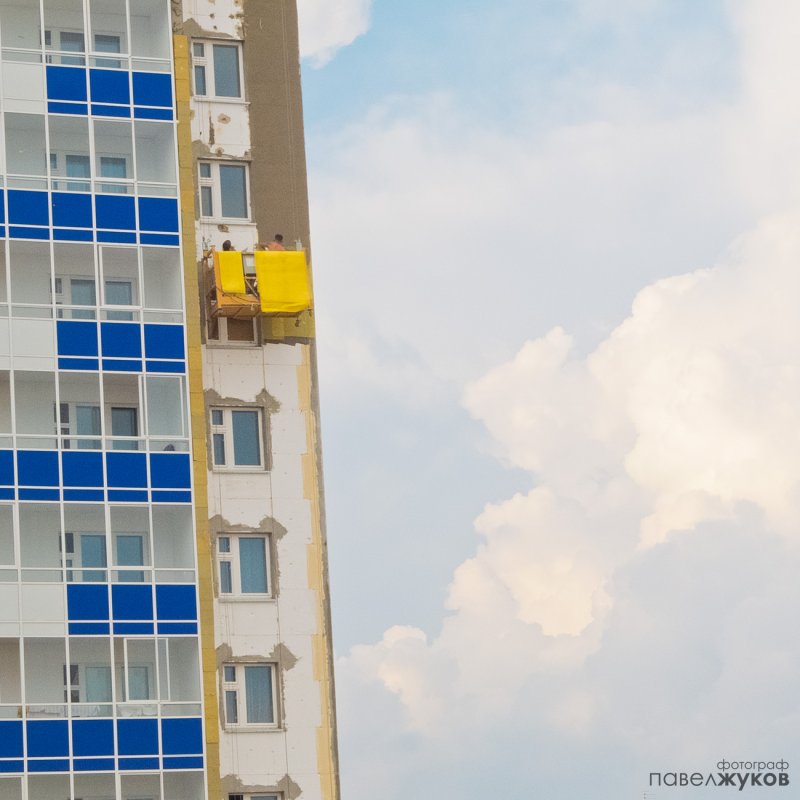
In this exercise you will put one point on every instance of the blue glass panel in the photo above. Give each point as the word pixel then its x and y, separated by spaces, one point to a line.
pixel 126 470
pixel 161 239
pixel 83 496
pixel 176 628
pixel 158 214
pixel 89 629
pixel 195 762
pixel 181 737
pixel 92 737
pixel 122 496
pixel 82 469
pixel 109 86
pixel 93 764
pixel 137 737
pixel 152 113
pixel 132 602
pixel 133 628
pixel 47 738
pixel 7 468
pixel 115 212
pixel 170 470
pixel 11 766
pixel 122 365
pixel 39 494
pixel 6 494
pixel 66 83
pixel 116 237
pixel 87 602
pixel 172 367
pixel 152 89
pixel 28 208
pixel 110 111
pixel 138 764
pixel 68 108
pixel 76 338
pixel 121 340
pixel 11 739
pixel 17 232
pixel 37 467
pixel 163 341
pixel 171 497
pixel 49 765
pixel 65 235
pixel 72 209
pixel 176 601
pixel 2 207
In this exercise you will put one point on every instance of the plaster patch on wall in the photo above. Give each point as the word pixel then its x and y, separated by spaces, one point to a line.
pixel 286 787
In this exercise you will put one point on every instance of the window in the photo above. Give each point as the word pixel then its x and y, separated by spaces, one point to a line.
pixel 254 797
pixel 249 692
pixel 236 438
pixel 224 190
pixel 243 565
pixel 125 422
pixel 217 69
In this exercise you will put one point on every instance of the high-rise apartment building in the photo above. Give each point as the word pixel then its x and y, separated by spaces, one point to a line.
pixel 164 616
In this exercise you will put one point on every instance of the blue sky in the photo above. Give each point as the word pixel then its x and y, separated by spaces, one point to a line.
pixel 554 246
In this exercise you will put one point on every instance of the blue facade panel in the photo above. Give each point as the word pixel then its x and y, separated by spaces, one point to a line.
pixel 87 602
pixel 27 207
pixel 7 468
pixel 170 470
pixel 72 210
pixel 137 737
pixel 109 86
pixel 158 214
pixel 66 83
pixel 37 467
pixel 11 739
pixel 76 338
pixel 115 212
pixel 82 469
pixel 132 602
pixel 152 89
pixel 93 764
pixel 92 737
pixel 163 341
pixel 121 339
pixel 126 470
pixel 47 738
pixel 176 601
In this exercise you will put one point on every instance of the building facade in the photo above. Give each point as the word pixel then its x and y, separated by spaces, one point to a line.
pixel 164 613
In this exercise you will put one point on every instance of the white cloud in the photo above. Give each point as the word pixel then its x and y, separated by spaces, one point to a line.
pixel 635 604
pixel 326 26
pixel 679 433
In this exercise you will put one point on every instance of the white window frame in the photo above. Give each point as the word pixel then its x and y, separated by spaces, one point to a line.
pixel 238 686
pixel 256 796
pixel 214 182
pixel 232 557
pixel 225 429
pixel 205 61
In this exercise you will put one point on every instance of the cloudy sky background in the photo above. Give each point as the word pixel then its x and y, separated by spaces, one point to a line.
pixel 557 259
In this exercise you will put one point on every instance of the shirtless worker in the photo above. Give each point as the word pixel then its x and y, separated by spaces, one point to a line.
pixel 276 243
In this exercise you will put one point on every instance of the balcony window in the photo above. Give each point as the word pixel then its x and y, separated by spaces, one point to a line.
pixel 236 438
pixel 217 70
pixel 249 693
pixel 243 565
pixel 224 190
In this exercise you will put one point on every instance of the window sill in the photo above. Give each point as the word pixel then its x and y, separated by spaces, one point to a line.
pixel 228 101
pixel 254 729
pixel 241 598
pixel 239 470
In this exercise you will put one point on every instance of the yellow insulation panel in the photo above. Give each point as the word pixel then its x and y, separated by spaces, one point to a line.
pixel 283 282
pixel 231 271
